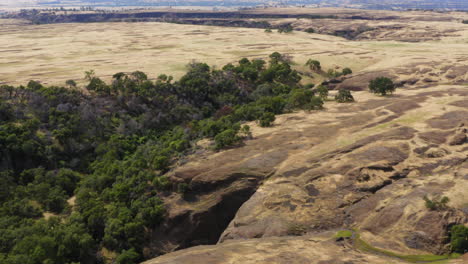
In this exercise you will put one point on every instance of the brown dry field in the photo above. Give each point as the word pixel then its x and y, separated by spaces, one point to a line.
pixel 55 53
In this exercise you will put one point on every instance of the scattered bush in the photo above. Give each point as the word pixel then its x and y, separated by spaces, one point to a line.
pixel 382 86
pixel 268 30
pixel 435 205
pixel 267 119
pixel 335 74
pixel 310 30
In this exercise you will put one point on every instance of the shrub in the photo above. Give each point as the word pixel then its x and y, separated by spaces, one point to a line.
pixel 266 119
pixel 226 138
pixel 245 131
pixel 285 29
pixel 128 257
pixel 344 96
pixel 435 205
pixel 459 238
pixel 268 30
pixel 314 65
pixel 382 85
pixel 310 30
pixel 346 71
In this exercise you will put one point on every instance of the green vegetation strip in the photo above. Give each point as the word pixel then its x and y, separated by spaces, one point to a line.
pixel 364 246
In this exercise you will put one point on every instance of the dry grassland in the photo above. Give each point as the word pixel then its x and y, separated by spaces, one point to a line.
pixel 57 52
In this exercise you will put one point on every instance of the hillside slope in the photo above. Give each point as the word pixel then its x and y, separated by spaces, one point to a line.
pixel 365 166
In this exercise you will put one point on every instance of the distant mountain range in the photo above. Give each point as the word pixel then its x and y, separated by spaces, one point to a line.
pixel 368 4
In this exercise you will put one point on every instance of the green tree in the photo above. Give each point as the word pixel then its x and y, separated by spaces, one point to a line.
pixel 344 96
pixel 275 58
pixel 34 85
pixel 322 91
pixel 459 238
pixel 346 71
pixel 99 86
pixel 70 83
pixel 314 65
pixel 382 86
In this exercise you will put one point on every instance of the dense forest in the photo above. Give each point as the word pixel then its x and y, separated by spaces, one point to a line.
pixel 83 169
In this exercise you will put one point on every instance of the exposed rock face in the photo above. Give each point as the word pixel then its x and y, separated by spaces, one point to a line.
pixel 364 165
pixel 459 138
pixel 281 250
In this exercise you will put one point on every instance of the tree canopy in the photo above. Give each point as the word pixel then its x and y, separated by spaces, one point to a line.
pixel 382 86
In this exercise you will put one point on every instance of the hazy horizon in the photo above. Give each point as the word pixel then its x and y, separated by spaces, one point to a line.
pixel 370 4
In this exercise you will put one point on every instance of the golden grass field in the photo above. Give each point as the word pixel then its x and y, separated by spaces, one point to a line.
pixel 55 53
